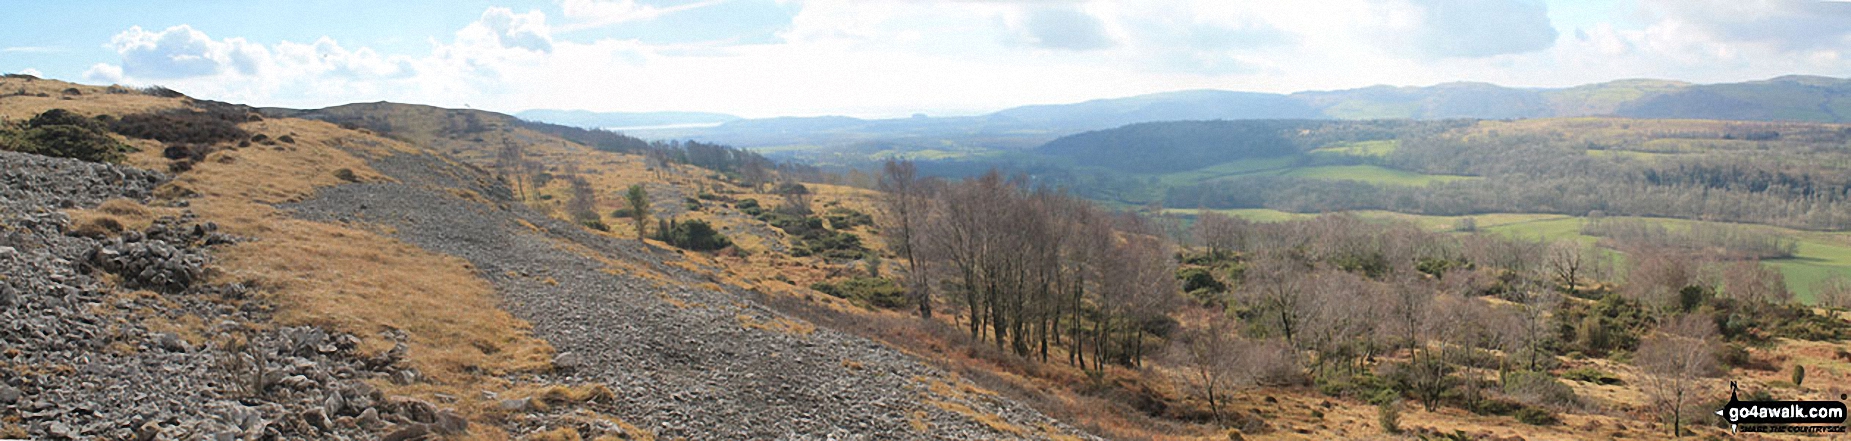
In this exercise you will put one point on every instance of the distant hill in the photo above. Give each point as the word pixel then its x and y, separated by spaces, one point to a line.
pixel 1788 98
pixel 1173 146
pixel 612 120
pixel 1169 106
pixel 1792 98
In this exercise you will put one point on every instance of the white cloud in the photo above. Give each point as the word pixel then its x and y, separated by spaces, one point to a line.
pixel 1064 27
pixel 508 29
pixel 32 72
pixel 181 52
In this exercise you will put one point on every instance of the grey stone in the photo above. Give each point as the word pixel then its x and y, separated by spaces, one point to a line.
pixel 516 405
pixel 172 342
pixel 567 361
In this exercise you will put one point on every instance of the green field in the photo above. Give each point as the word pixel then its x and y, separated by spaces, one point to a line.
pixel 1226 169
pixel 1371 174
pixel 1628 154
pixel 1820 254
pixel 1376 148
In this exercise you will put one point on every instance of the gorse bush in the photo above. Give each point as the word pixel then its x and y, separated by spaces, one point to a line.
pixel 63 134
pixel 695 235
pixel 209 123
pixel 867 291
pixel 812 238
pixel 844 218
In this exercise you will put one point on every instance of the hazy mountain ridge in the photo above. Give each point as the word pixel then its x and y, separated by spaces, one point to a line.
pixel 1788 98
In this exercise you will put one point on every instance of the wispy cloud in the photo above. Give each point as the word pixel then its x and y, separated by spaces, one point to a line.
pixel 32 49
pixel 587 14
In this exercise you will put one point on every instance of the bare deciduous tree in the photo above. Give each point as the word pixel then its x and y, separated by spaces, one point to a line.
pixel 905 197
pixel 1755 284
pixel 1275 285
pixel 1833 293
pixel 1219 233
pixel 1214 361
pixel 1676 361
pixel 1567 261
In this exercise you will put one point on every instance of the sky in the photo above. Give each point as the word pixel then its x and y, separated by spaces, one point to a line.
pixel 888 58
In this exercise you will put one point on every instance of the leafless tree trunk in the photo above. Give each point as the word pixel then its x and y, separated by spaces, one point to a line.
pixel 905 197
pixel 1676 360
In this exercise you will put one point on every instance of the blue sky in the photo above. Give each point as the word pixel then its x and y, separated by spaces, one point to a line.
pixel 876 58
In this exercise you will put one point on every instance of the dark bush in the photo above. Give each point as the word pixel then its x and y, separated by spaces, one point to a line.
pixel 186 126
pixel 162 91
pixel 1197 279
pixel 346 174
pixel 844 218
pixel 61 117
pixel 695 235
pixel 286 139
pixel 1537 416
pixel 45 135
pixel 866 291
pixel 1539 389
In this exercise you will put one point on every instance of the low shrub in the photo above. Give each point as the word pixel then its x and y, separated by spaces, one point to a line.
pixel 1388 416
pixel 1539 389
pixel 1198 279
pixel 866 291
pixel 346 174
pixel 63 134
pixel 1537 417
pixel 844 218
pixel 695 235
pixel 209 124
pixel 161 91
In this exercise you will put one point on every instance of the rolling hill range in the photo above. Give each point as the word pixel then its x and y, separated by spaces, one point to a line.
pixel 836 139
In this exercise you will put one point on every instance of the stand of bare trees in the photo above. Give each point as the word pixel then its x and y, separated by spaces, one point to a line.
pixel 1033 270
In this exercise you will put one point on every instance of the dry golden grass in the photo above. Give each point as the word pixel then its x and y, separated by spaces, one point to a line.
pixel 94 101
pixel 780 324
pixel 95 225
pixel 114 216
pixel 990 420
pixel 917 420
